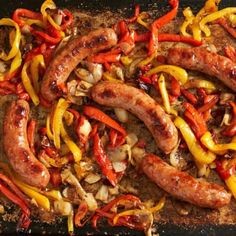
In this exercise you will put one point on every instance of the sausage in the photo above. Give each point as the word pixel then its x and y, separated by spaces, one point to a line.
pixel 65 61
pixel 182 185
pixel 141 105
pixel 17 148
pixel 204 61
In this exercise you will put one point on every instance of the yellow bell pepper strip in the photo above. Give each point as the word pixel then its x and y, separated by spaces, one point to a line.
pixel 219 149
pixel 231 184
pixel 232 19
pixel 164 93
pixel 177 72
pixel 33 193
pixel 48 128
pixel 69 118
pixel 189 17
pixel 49 4
pixel 199 154
pixel 214 16
pixel 108 76
pixel 125 60
pixel 147 60
pixel 16 42
pixel 53 194
pixel 16 62
pixel 140 19
pixel 57 121
pixel 77 154
pixel 159 205
pixel 200 83
pixel 226 170
pixel 70 223
pixel 34 70
pixel 27 84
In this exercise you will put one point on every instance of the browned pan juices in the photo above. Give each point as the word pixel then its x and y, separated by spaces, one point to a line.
pixel 134 182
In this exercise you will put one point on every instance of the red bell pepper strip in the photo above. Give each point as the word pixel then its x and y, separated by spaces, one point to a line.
pixel 94 131
pixel 55 177
pixel 157 24
pixel 8 86
pixel 144 37
pixel 224 172
pixel 103 160
pixel 209 102
pixel 13 187
pixel 97 114
pixel 230 130
pixel 189 96
pixel 112 204
pixel 105 57
pixel 169 16
pixel 136 13
pixel 35 51
pixel 31 133
pixel 44 102
pixel 225 25
pixel 20 12
pixel 178 38
pixel 175 87
pixel 193 117
pixel 116 140
pixel 80 214
pixel 24 220
pixel 67 19
pixel 153 43
pixel 45 37
pixel 230 52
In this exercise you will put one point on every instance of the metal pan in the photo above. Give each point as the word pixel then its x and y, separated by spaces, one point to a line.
pixel 8 228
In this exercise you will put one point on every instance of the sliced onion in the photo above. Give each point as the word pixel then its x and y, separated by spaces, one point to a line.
pixel 120 153
pixel 226 118
pixel 131 139
pixel 114 191
pixel 58 19
pixel 82 88
pixel 174 158
pixel 121 114
pixel 118 72
pixel 137 155
pixel 84 74
pixel 119 166
pixel 92 178
pixel 96 70
pixel 85 129
pixel 2 67
pixel 65 192
pixel 68 177
pixel 226 97
pixel 133 65
pixel 63 208
pixel 102 193
pixel 71 87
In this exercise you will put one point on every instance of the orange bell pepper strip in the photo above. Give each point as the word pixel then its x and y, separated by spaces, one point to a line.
pixel 103 160
pixel 97 114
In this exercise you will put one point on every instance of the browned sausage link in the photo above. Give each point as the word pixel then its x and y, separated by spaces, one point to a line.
pixel 17 149
pixel 70 56
pixel 143 106
pixel 207 62
pixel 183 186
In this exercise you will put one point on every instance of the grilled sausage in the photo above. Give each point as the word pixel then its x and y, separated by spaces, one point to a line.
pixel 204 61
pixel 16 146
pixel 183 186
pixel 143 106
pixel 70 56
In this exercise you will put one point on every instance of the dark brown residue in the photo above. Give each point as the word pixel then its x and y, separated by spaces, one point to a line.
pixel 107 93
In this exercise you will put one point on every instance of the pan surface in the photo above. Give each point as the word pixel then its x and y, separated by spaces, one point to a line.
pixel 8 228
